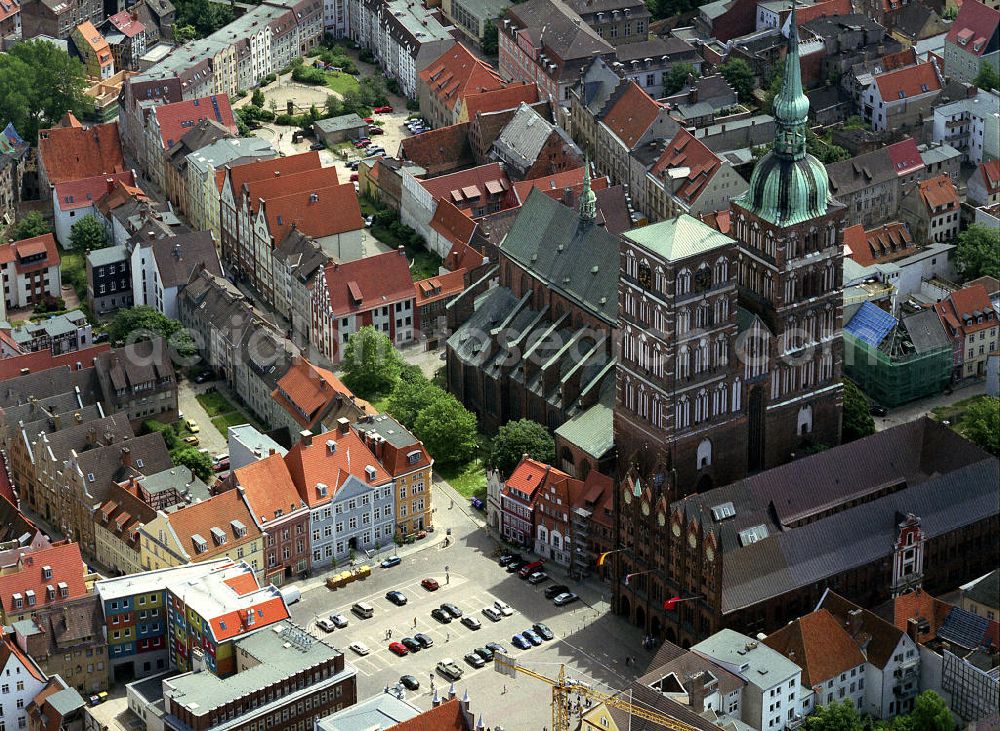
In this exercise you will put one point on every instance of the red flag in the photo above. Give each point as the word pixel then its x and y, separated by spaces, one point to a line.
pixel 670 603
pixel 601 558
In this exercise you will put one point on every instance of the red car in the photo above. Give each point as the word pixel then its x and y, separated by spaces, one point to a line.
pixel 529 569
pixel 373 130
pixel 369 120
pixel 383 110
pixel 430 584
pixel 398 648
pixel 354 177
pixel 362 143
pixel 221 466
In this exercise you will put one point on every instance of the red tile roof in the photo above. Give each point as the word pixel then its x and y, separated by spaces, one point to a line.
pixel 939 194
pixel 905 157
pixel 67 568
pixel 485 179
pixel 276 167
pixel 684 151
pixel 318 212
pixel 128 25
pixel 973 28
pixel 8 8
pixel 310 389
pixel 899 59
pixel 317 463
pixel 805 13
pixel 95 40
pixel 439 287
pixel 268 488
pixel 908 82
pixel 42 360
pixel 888 242
pixel 232 624
pixel 71 153
pixel 920 605
pixel 245 583
pixel 463 256
pixel 819 645
pixel 530 474
pixel 498 100
pixel 179 118
pixel 275 186
pixel 721 221
pixel 960 310
pixel 445 148
pixel 374 281
pixel 632 114
pixel 452 223
pixel 87 191
pixel 991 176
pixel 6 487
pixel 217 512
pixel 457 72
pixel 446 717
pixel 554 185
pixel 18 251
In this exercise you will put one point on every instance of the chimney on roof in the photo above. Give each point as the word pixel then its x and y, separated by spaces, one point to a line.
pixel 343 425
pixel 126 457
pixel 401 251
pixel 854 621
pixel 57 422
pixel 78 417
pixel 92 436
pixel 698 688
pixel 270 451
pixel 306 438
pixel 567 197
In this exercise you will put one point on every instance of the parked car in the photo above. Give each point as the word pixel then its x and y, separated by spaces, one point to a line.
pixel 202 377
pixel 339 620
pixel 359 647
pixel 354 177
pixel 471 622
pixel 399 649
pixel 538 577
pixel 317 146
pixel 430 584
pixel 555 590
pixel 496 647
pixel 376 130
pixel 543 631
pixel 563 599
pixel 492 614
pixel 424 640
pixel 485 652
pixel 449 669
pixel 192 440
pixel 878 409
pixel 221 466
pixel 507 557
pixel 396 597
pixel 531 636
pixel 474 660
pixel 376 150
pixel 354 164
pixel 520 642
pixel 503 608
pixel 527 570
pixel 514 566
pixel 452 610
pixel 192 426
pixel 369 120
pixel 390 562
pixel 384 109
pixel 360 144
pixel 409 682
pixel 411 644
pixel 440 615
pixel 326 625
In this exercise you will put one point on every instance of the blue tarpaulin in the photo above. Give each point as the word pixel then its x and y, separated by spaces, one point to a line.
pixel 871 324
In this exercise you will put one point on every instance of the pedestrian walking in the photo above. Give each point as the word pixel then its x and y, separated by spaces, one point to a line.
pixel 390 634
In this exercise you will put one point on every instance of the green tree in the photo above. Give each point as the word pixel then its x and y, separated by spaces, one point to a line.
pixel 87 234
pixel 184 33
pixel 668 8
pixel 204 16
pixel 774 85
pixel 151 426
pixel 491 39
pixel 988 78
pixel 675 79
pixel 257 98
pixel 411 396
pixel 834 717
pixel 374 90
pixel 371 365
pixel 198 462
pixel 30 226
pixel 517 438
pixel 930 713
pixel 824 150
pixel 144 323
pixel 976 253
pixel 39 83
pixel 739 75
pixel 981 424
pixel 858 421
pixel 447 429
pixel 334 107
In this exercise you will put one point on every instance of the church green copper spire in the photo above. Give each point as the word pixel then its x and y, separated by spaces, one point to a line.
pixel 789 185
pixel 588 199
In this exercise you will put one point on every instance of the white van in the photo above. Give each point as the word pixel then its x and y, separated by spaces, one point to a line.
pixel 363 610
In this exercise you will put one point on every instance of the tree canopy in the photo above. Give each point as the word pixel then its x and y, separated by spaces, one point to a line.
pixel 930 713
pixel 675 79
pixel 739 75
pixel 143 322
pixel 834 717
pixel 39 83
pixel 517 438
pixel 858 421
pixel 198 462
pixel 668 8
pixel 447 429
pixel 976 252
pixel 204 16
pixel 30 226
pixel 371 364
pixel 491 39
pixel 988 78
pixel 981 424
pixel 87 234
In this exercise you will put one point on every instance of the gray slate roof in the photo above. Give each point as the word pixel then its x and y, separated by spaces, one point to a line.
pixel 926 331
pixel 48 383
pixel 107 255
pixel 380 712
pixel 553 25
pixel 860 172
pixel 986 590
pixel 591 430
pixel 177 256
pixel 521 140
pixel 338 124
pixel 574 258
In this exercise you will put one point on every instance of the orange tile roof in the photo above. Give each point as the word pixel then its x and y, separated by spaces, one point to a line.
pixel 497 100
pixel 899 59
pixel 179 118
pixel 479 177
pixel 463 256
pixel 217 512
pixel 17 251
pixel 233 624
pixel 318 212
pixel 907 82
pixel 445 146
pixel 457 72
pixel 937 192
pixel 308 389
pixel 822 10
pixel 85 192
pixel 8 8
pixel 632 114
pixel 905 156
pixel 720 221
pixel 957 308
pixel 244 583
pixel 819 645
pixel 295 181
pixel 530 474
pixel 975 22
pixel 554 185
pixel 360 285
pixel 684 151
pixel 71 153
pixel 43 360
pixel 888 242
pixel 452 223
pixel 446 717
pixel 919 605
pixel 991 175
pixel 439 287
pixel 268 488
pixel 67 568
pixel 316 463
pixel 92 37
pixel 125 22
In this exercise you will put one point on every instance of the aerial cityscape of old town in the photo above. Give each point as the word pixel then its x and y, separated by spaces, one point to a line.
pixel 647 350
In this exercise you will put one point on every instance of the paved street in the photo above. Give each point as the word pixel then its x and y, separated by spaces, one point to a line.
pixel 473 581
pixel 209 436
pixel 916 409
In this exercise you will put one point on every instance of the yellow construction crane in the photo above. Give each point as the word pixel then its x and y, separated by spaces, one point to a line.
pixel 562 687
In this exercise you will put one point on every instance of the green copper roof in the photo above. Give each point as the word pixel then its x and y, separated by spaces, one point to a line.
pixel 789 185
pixel 678 238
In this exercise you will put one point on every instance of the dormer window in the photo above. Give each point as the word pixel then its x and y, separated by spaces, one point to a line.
pixel 17 601
pixel 413 457
pixel 46 572
pixel 370 473
pixel 63 589
pixel 31 597
pixel 239 529
pixel 219 536
pixel 50 592
pixel 321 489
pixel 200 544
